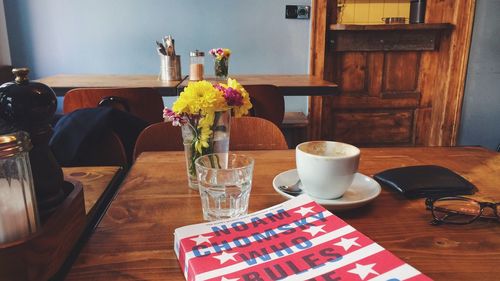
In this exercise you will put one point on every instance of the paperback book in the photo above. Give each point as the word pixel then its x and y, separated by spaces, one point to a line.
pixel 295 240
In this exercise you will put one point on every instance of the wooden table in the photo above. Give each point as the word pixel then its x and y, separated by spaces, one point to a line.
pixel 290 85
pixel 96 182
pixel 64 82
pixel 135 238
pixel 99 186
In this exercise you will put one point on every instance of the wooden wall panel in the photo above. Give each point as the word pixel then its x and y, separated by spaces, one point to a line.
pixel 368 40
pixel 375 64
pixel 447 87
pixel 323 13
pixel 353 74
pixel 328 122
pixel 400 72
pixel 373 128
pixel 422 116
pixel 429 65
pixel 315 117
pixel 354 102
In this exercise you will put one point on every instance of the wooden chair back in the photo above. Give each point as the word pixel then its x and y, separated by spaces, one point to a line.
pixel 159 137
pixel 247 133
pixel 253 133
pixel 145 103
pixel 267 101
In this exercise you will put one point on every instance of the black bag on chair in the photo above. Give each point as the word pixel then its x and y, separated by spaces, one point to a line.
pixel 80 132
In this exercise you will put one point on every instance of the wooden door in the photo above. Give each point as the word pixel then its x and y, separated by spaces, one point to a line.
pixel 391 95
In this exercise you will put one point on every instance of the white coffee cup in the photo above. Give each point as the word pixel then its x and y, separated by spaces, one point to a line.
pixel 326 168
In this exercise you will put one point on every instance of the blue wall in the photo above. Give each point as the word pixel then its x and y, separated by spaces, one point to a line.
pixel 117 36
pixel 481 108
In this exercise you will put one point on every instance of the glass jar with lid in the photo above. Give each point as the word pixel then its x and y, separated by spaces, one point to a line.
pixel 18 210
pixel 196 66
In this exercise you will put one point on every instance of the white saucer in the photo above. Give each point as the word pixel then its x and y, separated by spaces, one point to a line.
pixel 362 190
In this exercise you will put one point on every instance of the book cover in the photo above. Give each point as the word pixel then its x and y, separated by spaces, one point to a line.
pixel 295 240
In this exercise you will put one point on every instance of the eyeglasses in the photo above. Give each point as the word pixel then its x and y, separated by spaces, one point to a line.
pixel 460 210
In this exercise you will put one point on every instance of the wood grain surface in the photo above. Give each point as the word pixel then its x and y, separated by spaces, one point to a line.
pixel 145 103
pixel 94 180
pixel 375 27
pixel 106 81
pixel 288 85
pixel 253 133
pixel 373 77
pixel 134 240
pixel 445 82
pixel 62 83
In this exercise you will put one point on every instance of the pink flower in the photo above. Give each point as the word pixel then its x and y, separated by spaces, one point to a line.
pixel 219 87
pixel 173 117
pixel 220 51
pixel 233 97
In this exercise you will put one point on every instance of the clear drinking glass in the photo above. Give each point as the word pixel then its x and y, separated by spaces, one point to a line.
pixel 224 182
pixel 217 143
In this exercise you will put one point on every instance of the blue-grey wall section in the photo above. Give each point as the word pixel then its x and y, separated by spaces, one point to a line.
pixel 117 36
pixel 480 123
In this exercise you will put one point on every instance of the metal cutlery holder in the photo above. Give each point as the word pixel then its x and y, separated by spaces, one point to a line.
pixel 170 69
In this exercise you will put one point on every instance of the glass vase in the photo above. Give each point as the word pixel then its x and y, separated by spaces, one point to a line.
pixel 217 143
pixel 221 68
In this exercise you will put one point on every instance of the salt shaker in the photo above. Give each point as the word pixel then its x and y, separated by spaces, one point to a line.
pixel 18 212
pixel 196 69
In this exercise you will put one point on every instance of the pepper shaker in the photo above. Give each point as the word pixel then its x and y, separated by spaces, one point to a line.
pixel 196 67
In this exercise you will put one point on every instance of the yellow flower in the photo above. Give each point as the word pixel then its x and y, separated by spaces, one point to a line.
pixel 205 131
pixel 199 98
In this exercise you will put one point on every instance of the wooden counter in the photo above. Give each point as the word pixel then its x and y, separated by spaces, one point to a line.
pixel 64 82
pixel 289 85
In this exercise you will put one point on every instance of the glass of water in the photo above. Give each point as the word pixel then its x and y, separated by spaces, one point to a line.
pixel 224 183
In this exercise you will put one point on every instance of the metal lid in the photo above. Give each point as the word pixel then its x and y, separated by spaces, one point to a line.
pixel 197 54
pixel 21 74
pixel 15 143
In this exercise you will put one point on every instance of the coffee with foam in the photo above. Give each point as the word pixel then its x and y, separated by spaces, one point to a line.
pixel 321 148
pixel 326 168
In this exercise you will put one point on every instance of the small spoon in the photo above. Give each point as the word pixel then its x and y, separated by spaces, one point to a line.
pixel 293 189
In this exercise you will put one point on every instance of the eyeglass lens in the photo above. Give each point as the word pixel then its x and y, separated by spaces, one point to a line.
pixel 456 210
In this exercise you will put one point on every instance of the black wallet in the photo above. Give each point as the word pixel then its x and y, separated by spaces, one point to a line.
pixel 425 181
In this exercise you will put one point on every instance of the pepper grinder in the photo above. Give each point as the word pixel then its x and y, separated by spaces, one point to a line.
pixel 29 106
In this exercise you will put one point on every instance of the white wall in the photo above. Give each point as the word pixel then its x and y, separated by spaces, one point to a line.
pixel 480 124
pixel 117 36
pixel 4 41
